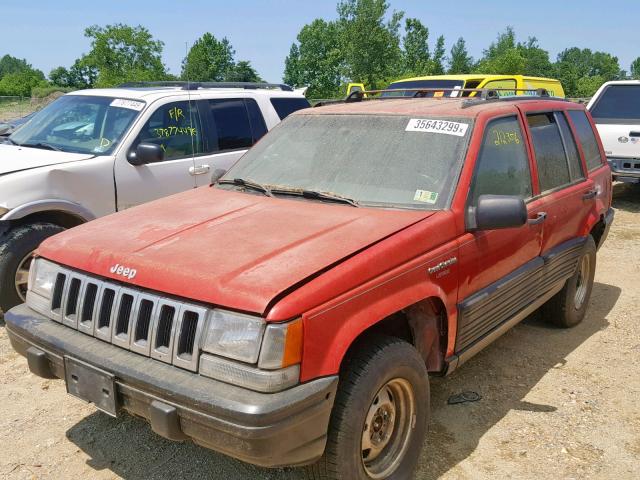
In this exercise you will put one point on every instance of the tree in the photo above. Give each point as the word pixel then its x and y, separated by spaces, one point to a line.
pixel 20 83
pixel 209 59
pixel 9 64
pixel 242 72
pixel 415 54
pixel 460 61
pixel 580 70
pixel 502 56
pixel 635 69
pixel 370 47
pixel 78 76
pixel 317 60
pixel 292 73
pixel 536 60
pixel 121 53
pixel 438 60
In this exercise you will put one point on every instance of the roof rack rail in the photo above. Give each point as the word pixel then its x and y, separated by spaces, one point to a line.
pixel 197 85
pixel 478 94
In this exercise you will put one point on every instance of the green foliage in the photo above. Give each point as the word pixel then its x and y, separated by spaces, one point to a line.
pixel 208 60
pixel 20 83
pixel 437 62
pixel 635 69
pixel 580 70
pixel 9 64
pixel 78 76
pixel 460 61
pixel 242 72
pixel 121 53
pixel 317 61
pixel 369 47
pixel 415 56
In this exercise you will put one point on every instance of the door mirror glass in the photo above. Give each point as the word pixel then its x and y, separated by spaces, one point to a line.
pixel 497 211
pixel 146 153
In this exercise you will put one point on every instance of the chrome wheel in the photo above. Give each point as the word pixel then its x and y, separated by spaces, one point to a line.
pixel 387 428
pixel 22 277
pixel 582 283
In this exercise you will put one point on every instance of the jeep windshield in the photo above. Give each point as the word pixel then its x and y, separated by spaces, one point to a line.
pixel 79 124
pixel 376 161
pixel 413 84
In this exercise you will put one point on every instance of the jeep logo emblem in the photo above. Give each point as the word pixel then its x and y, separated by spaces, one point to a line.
pixel 124 271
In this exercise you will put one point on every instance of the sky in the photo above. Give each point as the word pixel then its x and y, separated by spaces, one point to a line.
pixel 49 34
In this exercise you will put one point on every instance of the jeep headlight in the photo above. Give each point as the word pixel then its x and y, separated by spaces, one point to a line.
pixel 271 354
pixel 42 277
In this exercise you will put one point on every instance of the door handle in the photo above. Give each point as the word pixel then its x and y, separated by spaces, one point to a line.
pixel 634 134
pixel 540 217
pixel 590 194
pixel 199 170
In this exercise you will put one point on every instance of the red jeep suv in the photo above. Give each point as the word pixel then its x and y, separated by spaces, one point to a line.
pixel 292 312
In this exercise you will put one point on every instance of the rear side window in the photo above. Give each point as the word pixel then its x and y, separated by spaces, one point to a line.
pixel 587 138
pixel 503 166
pixel 286 106
pixel 233 121
pixel 553 169
pixel 500 84
pixel 618 104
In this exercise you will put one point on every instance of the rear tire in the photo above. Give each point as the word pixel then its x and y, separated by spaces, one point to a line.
pixel 569 306
pixel 16 248
pixel 380 415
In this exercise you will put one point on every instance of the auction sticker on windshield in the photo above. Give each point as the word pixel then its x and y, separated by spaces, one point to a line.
pixel 437 126
pixel 130 104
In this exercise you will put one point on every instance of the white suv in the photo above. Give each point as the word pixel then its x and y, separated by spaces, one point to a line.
pixel 616 110
pixel 95 152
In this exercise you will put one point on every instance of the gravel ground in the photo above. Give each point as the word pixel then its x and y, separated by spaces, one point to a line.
pixel 559 404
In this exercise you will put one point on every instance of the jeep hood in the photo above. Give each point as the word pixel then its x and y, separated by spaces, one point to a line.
pixel 230 249
pixel 14 158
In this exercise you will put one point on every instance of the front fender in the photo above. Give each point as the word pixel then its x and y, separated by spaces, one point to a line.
pixel 47 205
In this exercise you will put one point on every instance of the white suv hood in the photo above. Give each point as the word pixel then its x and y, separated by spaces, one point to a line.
pixel 14 158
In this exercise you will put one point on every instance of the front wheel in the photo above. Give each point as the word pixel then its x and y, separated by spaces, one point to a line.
pixel 16 248
pixel 380 415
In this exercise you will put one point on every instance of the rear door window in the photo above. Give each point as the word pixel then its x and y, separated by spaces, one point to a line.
pixel 237 125
pixel 503 165
pixel 570 148
pixel 286 106
pixel 509 84
pixel 618 104
pixel 550 153
pixel 587 139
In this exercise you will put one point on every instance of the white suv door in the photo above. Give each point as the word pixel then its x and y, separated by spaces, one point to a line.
pixel 177 128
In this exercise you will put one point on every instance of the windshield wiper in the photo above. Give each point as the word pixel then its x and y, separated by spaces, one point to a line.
pixel 317 195
pixel 248 184
pixel 42 145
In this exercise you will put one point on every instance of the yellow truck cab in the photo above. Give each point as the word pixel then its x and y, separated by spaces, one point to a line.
pixel 467 81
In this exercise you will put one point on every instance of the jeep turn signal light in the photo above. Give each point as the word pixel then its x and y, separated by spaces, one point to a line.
pixel 282 345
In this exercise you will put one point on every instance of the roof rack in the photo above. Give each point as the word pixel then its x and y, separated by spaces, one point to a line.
pixel 197 85
pixel 480 94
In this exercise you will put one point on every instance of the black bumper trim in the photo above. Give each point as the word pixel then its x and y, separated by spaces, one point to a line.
pixel 271 430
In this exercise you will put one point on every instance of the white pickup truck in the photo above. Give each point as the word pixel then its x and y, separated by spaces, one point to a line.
pixel 616 110
pixel 94 152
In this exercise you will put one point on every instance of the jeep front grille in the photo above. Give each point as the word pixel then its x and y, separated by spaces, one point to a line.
pixel 145 323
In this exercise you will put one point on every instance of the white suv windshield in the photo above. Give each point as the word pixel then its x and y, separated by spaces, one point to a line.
pixel 79 124
pixel 385 161
pixel 618 104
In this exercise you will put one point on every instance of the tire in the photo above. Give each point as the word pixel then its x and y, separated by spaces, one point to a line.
pixel 569 306
pixel 16 247
pixel 388 371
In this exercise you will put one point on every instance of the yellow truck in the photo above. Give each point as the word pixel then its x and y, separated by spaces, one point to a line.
pixel 467 81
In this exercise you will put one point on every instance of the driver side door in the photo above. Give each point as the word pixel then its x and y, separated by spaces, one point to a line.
pixel 176 127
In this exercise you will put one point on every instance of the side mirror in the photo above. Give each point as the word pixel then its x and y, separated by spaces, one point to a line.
pixel 145 153
pixel 497 211
pixel 217 174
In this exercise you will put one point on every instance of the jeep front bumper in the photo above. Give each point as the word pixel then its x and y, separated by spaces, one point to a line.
pixel 625 169
pixel 270 430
